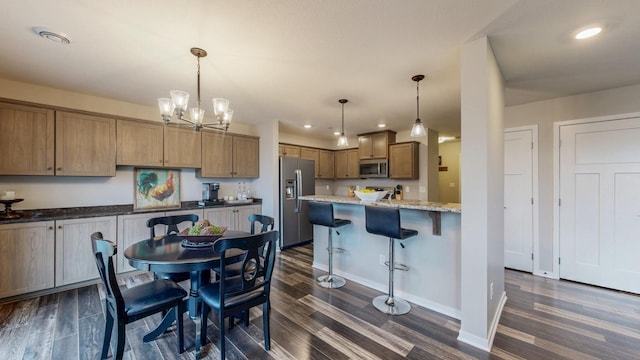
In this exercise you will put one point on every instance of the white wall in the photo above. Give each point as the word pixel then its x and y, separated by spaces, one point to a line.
pixel 544 114
pixel 482 255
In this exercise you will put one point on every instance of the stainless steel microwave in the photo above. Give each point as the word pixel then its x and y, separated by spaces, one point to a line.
pixel 375 168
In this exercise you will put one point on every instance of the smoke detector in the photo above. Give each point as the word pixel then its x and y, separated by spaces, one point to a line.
pixel 49 34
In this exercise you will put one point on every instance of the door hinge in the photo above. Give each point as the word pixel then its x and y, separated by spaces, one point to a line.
pixel 558 261
pixel 532 145
pixel 531 256
pixel 531 201
pixel 559 202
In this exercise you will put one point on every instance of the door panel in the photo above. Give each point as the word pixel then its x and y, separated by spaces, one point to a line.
pixel 518 195
pixel 599 216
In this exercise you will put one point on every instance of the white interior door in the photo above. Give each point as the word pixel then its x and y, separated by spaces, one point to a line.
pixel 600 203
pixel 518 199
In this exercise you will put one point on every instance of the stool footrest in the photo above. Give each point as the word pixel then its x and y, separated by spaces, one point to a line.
pixel 401 267
pixel 337 250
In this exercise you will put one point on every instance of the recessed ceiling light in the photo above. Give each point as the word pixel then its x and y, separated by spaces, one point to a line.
pixel 307 126
pixel 587 33
pixel 382 125
pixel 49 34
pixel 336 133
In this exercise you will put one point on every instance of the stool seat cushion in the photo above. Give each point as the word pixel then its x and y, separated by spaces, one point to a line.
pixel 322 214
pixel 386 222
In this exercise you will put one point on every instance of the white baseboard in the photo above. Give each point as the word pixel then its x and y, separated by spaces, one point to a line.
pixel 478 341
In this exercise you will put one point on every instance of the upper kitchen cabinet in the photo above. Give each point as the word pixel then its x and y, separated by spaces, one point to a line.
pixel 404 160
pixel 26 140
pixel 375 145
pixel 139 143
pixel 227 155
pixel 85 145
pixel 182 147
pixel 289 150
pixel 324 161
pixel 347 164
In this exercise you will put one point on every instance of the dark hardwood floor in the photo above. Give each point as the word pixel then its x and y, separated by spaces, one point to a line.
pixel 543 319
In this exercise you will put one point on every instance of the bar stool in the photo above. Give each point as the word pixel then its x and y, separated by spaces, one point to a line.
pixel 322 214
pixel 386 222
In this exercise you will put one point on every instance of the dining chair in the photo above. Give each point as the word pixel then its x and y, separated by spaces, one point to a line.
pixel 265 221
pixel 232 295
pixel 128 305
pixel 172 223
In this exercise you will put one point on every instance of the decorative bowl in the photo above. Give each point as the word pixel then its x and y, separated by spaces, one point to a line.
pixel 372 196
pixel 198 241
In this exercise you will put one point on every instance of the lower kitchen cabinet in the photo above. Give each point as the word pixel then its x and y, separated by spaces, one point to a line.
pixel 234 218
pixel 74 257
pixel 133 228
pixel 27 257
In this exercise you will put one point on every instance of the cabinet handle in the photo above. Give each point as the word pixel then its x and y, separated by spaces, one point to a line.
pixel 50 227
pixel 49 168
pixel 60 227
pixel 59 169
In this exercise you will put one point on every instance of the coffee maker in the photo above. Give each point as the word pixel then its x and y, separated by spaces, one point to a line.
pixel 210 194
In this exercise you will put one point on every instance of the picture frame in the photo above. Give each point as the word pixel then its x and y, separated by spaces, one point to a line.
pixel 156 189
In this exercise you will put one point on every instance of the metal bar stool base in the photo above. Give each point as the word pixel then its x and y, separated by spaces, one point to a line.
pixel 331 281
pixel 397 307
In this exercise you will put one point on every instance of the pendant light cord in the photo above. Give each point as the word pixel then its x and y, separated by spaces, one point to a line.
pixel 198 82
pixel 418 100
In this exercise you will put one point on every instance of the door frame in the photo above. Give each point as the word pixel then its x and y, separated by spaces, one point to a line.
pixel 556 179
pixel 535 225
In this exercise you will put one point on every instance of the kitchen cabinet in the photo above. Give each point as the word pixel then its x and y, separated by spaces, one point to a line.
pixel 289 150
pixel 182 147
pixel 74 257
pixel 227 155
pixel 324 161
pixel 85 145
pixel 375 145
pixel 139 143
pixel 27 261
pixel 133 228
pixel 404 160
pixel 347 164
pixel 26 140
pixel 234 218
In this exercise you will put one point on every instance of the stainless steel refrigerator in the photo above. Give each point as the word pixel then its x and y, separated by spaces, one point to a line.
pixel 297 177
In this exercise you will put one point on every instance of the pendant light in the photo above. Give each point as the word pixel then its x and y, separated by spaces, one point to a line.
pixel 418 128
pixel 177 105
pixel 342 140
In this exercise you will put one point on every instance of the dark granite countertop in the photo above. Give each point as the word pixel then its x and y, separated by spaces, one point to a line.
pixel 96 211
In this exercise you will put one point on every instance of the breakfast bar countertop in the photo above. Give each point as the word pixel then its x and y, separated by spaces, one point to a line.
pixel 402 204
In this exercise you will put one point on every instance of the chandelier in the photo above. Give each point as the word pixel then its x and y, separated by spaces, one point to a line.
pixel 418 128
pixel 342 140
pixel 177 105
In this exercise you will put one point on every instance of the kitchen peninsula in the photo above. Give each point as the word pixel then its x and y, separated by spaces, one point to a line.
pixel 433 256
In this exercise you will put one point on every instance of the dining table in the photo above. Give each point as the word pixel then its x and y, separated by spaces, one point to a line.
pixel 171 254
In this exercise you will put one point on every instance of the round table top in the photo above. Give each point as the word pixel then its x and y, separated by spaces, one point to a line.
pixel 167 254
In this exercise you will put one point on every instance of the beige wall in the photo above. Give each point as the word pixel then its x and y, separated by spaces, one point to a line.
pixel 450 153
pixel 544 114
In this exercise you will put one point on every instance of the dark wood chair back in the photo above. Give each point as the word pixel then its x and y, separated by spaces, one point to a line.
pixel 172 223
pixel 267 222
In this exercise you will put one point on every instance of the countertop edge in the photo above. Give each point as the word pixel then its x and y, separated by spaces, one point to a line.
pixel 402 204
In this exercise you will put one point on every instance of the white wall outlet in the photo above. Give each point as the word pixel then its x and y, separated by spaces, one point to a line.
pixel 491 291
pixel 452 185
pixel 406 189
pixel 328 187
pixel 382 259
pixel 423 189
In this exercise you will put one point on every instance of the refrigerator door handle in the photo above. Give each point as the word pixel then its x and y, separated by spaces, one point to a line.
pixel 298 190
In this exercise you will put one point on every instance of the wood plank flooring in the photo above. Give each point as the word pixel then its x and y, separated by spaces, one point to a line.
pixel 542 319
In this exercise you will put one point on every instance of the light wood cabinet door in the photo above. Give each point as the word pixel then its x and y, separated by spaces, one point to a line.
pixel 139 143
pixel 325 169
pixel 131 229
pixel 404 161
pixel 26 140
pixel 27 257
pixel 223 216
pixel 75 261
pixel 182 147
pixel 289 150
pixel 375 145
pixel 347 164
pixel 242 216
pixel 246 157
pixel 217 155
pixel 85 145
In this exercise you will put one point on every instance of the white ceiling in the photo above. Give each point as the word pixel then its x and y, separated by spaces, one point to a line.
pixel 291 60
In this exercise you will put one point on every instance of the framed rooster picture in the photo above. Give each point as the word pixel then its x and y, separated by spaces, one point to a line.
pixel 156 189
